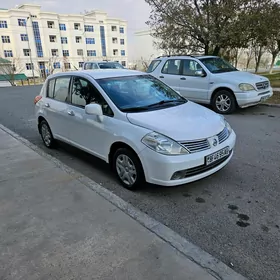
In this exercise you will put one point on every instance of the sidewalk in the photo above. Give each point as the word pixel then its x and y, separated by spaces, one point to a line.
pixel 54 227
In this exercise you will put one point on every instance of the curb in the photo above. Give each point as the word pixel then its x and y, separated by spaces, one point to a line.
pixel 213 266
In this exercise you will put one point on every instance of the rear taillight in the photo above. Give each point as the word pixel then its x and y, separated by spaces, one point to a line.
pixel 37 98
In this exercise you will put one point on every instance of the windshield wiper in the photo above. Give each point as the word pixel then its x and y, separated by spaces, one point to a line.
pixel 162 102
pixel 134 109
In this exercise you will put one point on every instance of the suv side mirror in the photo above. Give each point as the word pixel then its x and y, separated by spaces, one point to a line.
pixel 200 73
pixel 95 110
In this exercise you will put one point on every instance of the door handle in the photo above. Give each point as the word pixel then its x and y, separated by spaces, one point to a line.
pixel 161 77
pixel 47 105
pixel 71 113
pixel 183 78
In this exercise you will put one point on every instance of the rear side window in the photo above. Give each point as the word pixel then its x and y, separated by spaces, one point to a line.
pixel 58 89
pixel 90 66
pixel 153 65
pixel 172 67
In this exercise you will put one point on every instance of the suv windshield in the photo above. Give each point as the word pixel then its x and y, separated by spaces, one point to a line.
pixel 110 65
pixel 140 93
pixel 217 65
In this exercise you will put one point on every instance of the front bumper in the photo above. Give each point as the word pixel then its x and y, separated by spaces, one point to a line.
pixel 159 168
pixel 251 98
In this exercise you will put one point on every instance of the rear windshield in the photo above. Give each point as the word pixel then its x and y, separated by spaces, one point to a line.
pixel 153 65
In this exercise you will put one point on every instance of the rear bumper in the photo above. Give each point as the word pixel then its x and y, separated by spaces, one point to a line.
pixel 247 99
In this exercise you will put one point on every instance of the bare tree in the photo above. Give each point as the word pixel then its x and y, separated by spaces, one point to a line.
pixel 9 69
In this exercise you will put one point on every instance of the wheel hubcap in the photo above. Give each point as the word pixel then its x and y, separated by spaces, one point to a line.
pixel 46 135
pixel 223 102
pixel 126 169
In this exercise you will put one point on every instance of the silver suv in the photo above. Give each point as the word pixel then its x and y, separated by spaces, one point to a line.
pixel 211 80
pixel 94 65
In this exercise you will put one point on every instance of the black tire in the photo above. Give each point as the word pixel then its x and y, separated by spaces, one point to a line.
pixel 133 160
pixel 46 134
pixel 223 102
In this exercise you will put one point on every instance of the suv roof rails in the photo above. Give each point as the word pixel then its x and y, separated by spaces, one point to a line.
pixel 190 55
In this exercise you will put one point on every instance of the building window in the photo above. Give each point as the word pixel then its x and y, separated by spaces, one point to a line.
pixel 6 39
pixel 3 24
pixel 115 40
pixel 33 16
pixel 52 38
pixel 8 53
pixel 65 52
pixel 114 28
pixel 56 65
pixel 80 52
pixel 123 52
pixel 123 63
pixel 64 40
pixel 54 52
pixel 115 52
pixel 89 28
pixel 62 27
pixel 29 66
pixel 90 41
pixel 103 40
pixel 50 24
pixel 91 53
pixel 21 22
pixel 37 36
pixel 77 26
pixel 23 37
pixel 67 65
pixel 122 41
pixel 78 39
pixel 81 64
pixel 26 52
pixel 122 30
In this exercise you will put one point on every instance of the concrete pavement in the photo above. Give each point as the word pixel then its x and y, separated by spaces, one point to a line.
pixel 53 227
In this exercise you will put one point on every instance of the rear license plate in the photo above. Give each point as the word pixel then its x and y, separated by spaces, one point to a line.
pixel 264 98
pixel 216 156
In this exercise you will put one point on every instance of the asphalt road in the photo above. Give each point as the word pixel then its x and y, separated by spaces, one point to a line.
pixel 234 214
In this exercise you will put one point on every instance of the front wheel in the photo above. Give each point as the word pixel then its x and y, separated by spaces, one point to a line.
pixel 223 102
pixel 128 168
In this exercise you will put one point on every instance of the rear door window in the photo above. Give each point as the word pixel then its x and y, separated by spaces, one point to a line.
pixel 172 67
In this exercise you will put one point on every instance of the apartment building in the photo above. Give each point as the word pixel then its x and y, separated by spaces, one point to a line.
pixel 44 42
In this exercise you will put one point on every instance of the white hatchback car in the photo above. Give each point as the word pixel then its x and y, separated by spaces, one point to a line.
pixel 136 123
pixel 211 80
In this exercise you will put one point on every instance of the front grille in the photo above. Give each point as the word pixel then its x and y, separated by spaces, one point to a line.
pixel 203 168
pixel 262 85
pixel 223 136
pixel 196 146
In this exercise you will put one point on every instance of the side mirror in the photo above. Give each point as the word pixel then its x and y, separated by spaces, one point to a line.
pixel 94 109
pixel 200 73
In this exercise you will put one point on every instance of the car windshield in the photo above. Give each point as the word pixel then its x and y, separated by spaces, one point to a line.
pixel 140 93
pixel 217 65
pixel 110 65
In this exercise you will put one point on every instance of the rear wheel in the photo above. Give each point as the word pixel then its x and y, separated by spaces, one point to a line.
pixel 223 102
pixel 128 168
pixel 46 134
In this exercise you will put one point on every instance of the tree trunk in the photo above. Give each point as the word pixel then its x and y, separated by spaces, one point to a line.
pixel 216 50
pixel 258 59
pixel 206 49
pixel 272 62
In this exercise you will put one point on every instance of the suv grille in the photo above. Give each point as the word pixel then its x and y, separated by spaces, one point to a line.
pixel 262 85
pixel 202 145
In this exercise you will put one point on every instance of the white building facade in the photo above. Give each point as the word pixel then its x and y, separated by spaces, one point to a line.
pixel 45 42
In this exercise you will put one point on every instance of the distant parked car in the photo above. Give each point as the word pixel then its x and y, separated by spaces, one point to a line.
pixel 94 65
pixel 140 126
pixel 211 80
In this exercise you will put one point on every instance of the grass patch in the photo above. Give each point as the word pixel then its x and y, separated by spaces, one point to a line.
pixel 275 99
pixel 274 79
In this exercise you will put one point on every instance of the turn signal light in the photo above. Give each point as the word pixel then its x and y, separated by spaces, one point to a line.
pixel 37 99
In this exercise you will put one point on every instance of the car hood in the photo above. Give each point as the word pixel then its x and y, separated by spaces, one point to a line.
pixel 242 77
pixel 189 121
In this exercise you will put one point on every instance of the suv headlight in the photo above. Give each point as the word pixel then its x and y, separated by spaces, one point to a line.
pixel 246 87
pixel 163 145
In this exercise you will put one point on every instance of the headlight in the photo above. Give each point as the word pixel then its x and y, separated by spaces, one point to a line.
pixel 163 145
pixel 228 127
pixel 246 87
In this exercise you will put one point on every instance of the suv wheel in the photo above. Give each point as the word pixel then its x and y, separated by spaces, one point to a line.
pixel 128 168
pixel 46 134
pixel 223 102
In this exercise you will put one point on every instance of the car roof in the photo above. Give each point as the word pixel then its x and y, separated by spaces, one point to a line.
pixel 101 73
pixel 101 62
pixel 184 56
